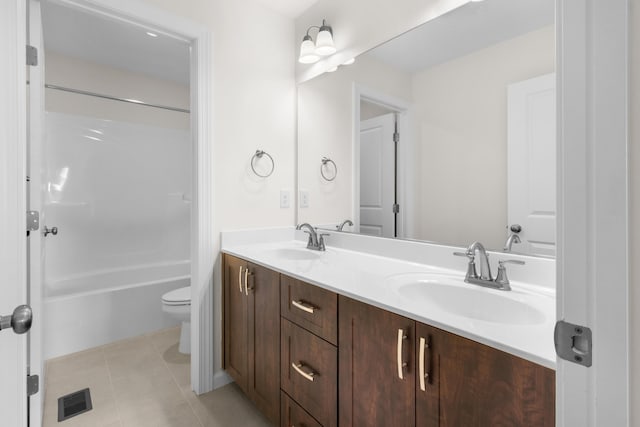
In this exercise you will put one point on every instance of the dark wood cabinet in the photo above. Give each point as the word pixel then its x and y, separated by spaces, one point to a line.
pixel 252 332
pixel 309 368
pixel 376 366
pixel 474 385
pixel 293 415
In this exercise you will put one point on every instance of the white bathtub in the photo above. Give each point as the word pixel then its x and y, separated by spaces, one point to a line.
pixel 93 309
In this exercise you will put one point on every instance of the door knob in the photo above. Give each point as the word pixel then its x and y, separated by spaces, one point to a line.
pixel 516 228
pixel 19 321
pixel 52 230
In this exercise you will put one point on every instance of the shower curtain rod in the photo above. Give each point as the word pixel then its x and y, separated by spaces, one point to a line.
pixel 114 98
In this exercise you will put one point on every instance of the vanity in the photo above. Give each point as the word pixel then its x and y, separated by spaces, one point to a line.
pixel 349 337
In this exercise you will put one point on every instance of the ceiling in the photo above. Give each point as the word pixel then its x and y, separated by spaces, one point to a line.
pixel 114 43
pixel 289 8
pixel 466 29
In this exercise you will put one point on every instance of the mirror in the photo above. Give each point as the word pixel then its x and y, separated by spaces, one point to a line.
pixel 471 95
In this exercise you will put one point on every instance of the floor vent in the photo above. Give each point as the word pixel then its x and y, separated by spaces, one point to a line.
pixel 74 404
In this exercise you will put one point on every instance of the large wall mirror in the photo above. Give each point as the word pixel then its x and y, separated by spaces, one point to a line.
pixel 444 134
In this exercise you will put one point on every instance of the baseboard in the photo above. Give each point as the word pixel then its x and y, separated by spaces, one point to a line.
pixel 221 378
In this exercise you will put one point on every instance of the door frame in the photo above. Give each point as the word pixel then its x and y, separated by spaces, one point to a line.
pixel 13 242
pixel 202 213
pixel 405 148
pixel 592 48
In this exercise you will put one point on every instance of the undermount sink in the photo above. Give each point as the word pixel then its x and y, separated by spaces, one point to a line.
pixel 453 295
pixel 295 254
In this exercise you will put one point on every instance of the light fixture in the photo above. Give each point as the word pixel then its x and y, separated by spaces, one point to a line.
pixel 311 52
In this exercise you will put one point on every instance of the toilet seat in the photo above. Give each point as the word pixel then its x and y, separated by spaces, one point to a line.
pixel 181 296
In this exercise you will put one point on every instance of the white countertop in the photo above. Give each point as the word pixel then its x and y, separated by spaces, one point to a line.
pixel 372 279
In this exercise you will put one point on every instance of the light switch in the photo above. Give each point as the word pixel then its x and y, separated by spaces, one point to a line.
pixel 285 197
pixel 304 198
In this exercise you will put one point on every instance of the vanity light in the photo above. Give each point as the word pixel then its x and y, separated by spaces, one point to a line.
pixel 311 52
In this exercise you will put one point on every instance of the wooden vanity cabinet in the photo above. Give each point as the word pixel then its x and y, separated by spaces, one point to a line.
pixel 471 384
pixel 372 392
pixel 252 332
pixel 466 384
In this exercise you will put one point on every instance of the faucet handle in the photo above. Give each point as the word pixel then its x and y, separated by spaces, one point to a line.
pixel 467 254
pixel 321 240
pixel 501 277
pixel 471 266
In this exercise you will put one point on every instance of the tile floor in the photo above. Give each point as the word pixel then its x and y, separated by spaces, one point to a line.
pixel 140 382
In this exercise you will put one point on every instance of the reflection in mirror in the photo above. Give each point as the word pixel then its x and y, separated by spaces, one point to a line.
pixel 470 99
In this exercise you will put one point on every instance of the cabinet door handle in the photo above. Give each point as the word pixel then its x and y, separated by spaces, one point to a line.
pixel 303 306
pixel 401 364
pixel 240 279
pixel 247 273
pixel 424 365
pixel 298 367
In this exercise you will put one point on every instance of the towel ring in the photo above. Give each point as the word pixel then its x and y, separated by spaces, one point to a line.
pixel 258 155
pixel 325 161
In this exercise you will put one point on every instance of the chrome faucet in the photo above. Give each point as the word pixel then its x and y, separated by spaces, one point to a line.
pixel 345 222
pixel 316 241
pixel 513 238
pixel 501 282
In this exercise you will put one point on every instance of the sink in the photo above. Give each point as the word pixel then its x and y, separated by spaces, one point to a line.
pixel 454 296
pixel 295 254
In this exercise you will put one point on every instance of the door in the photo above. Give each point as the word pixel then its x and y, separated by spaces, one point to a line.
pixel 376 369
pixel 377 176
pixel 236 357
pixel 531 170
pixel 471 384
pixel 264 340
pixel 13 266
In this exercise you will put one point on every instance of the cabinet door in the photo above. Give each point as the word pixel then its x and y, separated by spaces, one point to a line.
pixel 263 287
pixel 371 392
pixel 236 349
pixel 473 385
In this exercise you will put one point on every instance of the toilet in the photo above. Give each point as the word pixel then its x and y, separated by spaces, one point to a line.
pixel 177 303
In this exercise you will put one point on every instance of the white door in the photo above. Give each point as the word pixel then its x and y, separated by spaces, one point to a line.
pixel 531 160
pixel 13 262
pixel 377 176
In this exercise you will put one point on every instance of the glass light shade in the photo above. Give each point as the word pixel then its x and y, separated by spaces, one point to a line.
pixel 308 51
pixel 324 42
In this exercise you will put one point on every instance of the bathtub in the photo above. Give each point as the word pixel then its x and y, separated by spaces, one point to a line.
pixel 100 307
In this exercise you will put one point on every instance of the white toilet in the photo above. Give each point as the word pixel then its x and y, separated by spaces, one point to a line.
pixel 178 304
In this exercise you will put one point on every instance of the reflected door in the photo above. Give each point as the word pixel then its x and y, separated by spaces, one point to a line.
pixel 377 176
pixel 532 163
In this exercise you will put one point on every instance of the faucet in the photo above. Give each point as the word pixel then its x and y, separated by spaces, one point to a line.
pixel 316 242
pixel 513 238
pixel 345 222
pixel 501 282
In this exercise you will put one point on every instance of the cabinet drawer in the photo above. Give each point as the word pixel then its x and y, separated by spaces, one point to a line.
pixel 311 307
pixel 293 415
pixel 309 372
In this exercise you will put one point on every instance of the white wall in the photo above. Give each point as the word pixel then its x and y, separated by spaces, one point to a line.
pixel 634 214
pixel 75 73
pixel 359 25
pixel 461 114
pixel 254 107
pixel 325 128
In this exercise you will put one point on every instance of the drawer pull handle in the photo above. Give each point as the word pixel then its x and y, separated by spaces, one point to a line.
pixel 298 367
pixel 304 306
pixel 424 373
pixel 240 279
pixel 247 273
pixel 401 364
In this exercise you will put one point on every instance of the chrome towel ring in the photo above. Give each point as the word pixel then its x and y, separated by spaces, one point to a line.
pixel 324 165
pixel 257 156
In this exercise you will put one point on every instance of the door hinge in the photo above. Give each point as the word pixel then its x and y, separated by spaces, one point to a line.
pixel 33 221
pixel 33 384
pixel 396 208
pixel 32 55
pixel 396 137
pixel 573 343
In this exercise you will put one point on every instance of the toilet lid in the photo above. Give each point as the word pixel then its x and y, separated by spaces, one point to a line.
pixel 181 296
